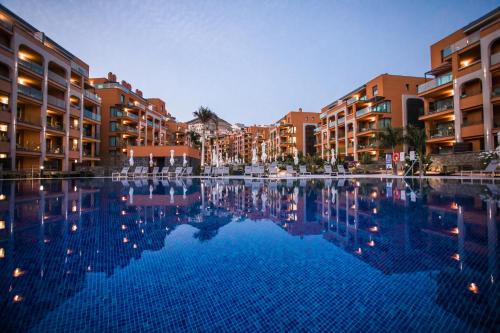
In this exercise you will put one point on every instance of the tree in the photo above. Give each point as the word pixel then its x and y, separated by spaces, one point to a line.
pixel 390 138
pixel 416 137
pixel 204 115
pixel 194 138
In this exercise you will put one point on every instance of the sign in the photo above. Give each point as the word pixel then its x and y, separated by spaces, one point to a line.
pixel 388 187
pixel 413 197
pixel 388 161
pixel 395 158
pixel 402 156
pixel 412 155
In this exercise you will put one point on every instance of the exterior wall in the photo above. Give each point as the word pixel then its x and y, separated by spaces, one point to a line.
pixel 472 65
pixel 43 80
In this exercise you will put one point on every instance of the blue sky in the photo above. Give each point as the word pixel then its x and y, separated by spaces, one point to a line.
pixel 249 61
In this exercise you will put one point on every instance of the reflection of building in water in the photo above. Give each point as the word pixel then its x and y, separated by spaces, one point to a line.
pixel 59 231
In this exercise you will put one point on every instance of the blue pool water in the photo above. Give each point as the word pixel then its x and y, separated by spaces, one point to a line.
pixel 348 255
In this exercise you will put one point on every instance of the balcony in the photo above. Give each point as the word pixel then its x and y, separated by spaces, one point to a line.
pixel 55 150
pixel 89 135
pixel 441 133
pixel 32 66
pixel 468 102
pixel 341 121
pixel 57 78
pixel 27 119
pixel 352 100
pixel 79 69
pixel 58 102
pixel 90 115
pixel 437 82
pixel 473 128
pixel 461 44
pixel 28 147
pixel 30 92
pixel 56 126
pixel 441 106
pixel 92 96
pixel 495 59
pixel 495 92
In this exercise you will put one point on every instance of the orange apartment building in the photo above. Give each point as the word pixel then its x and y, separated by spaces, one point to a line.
pixel 296 130
pixel 350 124
pixel 239 144
pixel 49 112
pixel 129 119
pixel 462 102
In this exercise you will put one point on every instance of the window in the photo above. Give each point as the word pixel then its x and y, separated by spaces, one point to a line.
pixel 375 90
pixel 122 99
pixel 384 123
pixel 113 141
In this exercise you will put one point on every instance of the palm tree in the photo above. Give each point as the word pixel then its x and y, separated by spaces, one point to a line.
pixel 416 137
pixel 204 115
pixel 390 138
pixel 194 138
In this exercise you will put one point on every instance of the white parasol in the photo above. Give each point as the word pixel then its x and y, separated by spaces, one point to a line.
pixel 131 160
pixel 184 160
pixel 172 160
pixel 263 156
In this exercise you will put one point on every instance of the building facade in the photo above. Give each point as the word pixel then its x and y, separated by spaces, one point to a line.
pixel 50 114
pixel 295 130
pixel 350 125
pixel 462 101
pixel 130 119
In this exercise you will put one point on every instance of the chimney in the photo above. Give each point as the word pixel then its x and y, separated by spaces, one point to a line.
pixel 300 109
pixel 110 76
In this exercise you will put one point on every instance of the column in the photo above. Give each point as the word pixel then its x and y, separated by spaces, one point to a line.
pixel 43 119
pixel 486 83
pixel 456 109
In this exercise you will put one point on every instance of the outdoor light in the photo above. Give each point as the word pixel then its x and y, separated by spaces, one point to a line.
pixel 42 167
pixel 2 224
pixel 41 187
pixel 2 253
pixel 2 197
pixel 74 228
pixel 455 231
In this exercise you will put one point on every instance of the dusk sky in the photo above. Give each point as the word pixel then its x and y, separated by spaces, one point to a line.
pixel 249 61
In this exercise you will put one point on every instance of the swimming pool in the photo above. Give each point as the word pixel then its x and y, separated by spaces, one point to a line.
pixel 226 255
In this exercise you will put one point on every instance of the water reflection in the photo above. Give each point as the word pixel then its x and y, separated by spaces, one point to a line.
pixel 55 233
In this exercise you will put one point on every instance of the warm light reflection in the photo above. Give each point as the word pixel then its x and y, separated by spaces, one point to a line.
pixel 18 272
pixel 455 256
pixel 371 243
pixel 454 205
pixel 374 195
pixel 124 227
pixel 473 288
pixel 374 229
pixel 359 251
pixel 455 231
pixel 74 228
pixel 17 298
pixel 2 253
pixel 374 211
pixel 125 239
pixel 2 197
pixel 2 224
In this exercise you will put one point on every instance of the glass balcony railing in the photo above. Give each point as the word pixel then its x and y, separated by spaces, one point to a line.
pixel 341 120
pixel 55 149
pixel 76 106
pixel 495 92
pixel 32 66
pixel 92 96
pixel 58 126
pixel 30 91
pixel 441 105
pixel 495 59
pixel 56 101
pixel 57 78
pixel 28 146
pixel 131 115
pixel 91 115
pixel 437 82
pixel 461 44
pixel 441 132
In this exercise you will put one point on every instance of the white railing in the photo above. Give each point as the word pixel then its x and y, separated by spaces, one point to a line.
pixel 352 100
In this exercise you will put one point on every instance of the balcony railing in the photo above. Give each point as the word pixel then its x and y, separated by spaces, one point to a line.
pixel 351 101
pixel 75 106
pixel 90 115
pixel 22 118
pixel 341 120
pixel 495 92
pixel 32 66
pixel 55 126
pixel 4 107
pixel 79 69
pixel 55 149
pixel 495 59
pixel 366 129
pixel 131 115
pixel 92 96
pixel 30 91
pixel 441 105
pixel 441 132
pixel 437 82
pixel 331 124
pixel 57 78
pixel 6 25
pixel 56 101
pixel 27 146
pixel 461 44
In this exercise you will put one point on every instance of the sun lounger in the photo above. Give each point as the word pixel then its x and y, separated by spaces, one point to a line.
pixel 177 172
pixel 207 171
pixel 164 172
pixel 490 170
pixel 137 172
pixel 120 174
pixel 290 170
pixel 154 172
pixel 303 171
pixel 273 171
pixel 328 170
pixel 188 171
pixel 342 170
pixel 248 170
